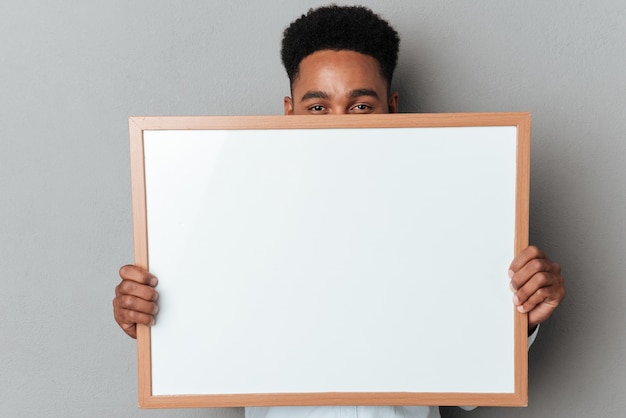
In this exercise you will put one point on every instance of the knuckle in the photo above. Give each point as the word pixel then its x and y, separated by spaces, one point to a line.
pixel 536 264
pixel 127 287
pixel 128 302
pixel 131 317
pixel 139 318
pixel 542 294
pixel 534 251
pixel 543 278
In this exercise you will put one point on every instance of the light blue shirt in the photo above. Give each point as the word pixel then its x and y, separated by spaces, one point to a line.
pixel 344 412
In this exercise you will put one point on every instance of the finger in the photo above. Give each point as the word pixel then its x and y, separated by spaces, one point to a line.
pixel 541 282
pixel 528 299
pixel 129 329
pixel 540 313
pixel 138 275
pixel 521 259
pixel 129 326
pixel 130 288
pixel 127 319
pixel 528 271
pixel 539 307
pixel 134 317
pixel 135 304
pixel 536 272
pixel 540 301
pixel 555 268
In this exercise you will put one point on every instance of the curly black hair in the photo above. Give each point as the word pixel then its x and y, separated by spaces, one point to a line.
pixel 353 28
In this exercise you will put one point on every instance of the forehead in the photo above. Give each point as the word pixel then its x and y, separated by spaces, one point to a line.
pixel 328 68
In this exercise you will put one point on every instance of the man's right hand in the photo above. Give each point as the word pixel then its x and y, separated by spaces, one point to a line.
pixel 135 299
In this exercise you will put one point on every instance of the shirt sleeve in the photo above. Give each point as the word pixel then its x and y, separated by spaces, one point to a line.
pixel 533 336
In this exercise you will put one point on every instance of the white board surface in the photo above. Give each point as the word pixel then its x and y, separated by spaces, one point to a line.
pixel 332 260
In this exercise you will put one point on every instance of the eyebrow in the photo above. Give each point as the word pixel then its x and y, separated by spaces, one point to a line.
pixel 315 94
pixel 318 94
pixel 363 92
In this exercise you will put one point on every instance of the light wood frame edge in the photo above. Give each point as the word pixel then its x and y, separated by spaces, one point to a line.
pixel 140 235
pixel 522 205
pixel 332 398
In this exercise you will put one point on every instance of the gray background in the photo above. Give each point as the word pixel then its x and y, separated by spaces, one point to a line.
pixel 72 72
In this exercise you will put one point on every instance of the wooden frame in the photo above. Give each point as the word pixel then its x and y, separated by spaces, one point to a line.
pixel 516 396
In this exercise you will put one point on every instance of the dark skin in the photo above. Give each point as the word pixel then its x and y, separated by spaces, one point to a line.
pixel 537 285
pixel 339 83
pixel 135 299
pixel 347 82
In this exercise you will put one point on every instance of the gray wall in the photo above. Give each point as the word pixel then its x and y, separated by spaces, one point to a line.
pixel 71 73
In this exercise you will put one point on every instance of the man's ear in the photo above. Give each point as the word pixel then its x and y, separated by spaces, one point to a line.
pixel 288 105
pixel 393 103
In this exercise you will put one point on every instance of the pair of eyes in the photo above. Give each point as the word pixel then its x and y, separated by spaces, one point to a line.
pixel 357 108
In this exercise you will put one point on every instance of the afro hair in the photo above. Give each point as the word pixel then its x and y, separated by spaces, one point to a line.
pixel 353 28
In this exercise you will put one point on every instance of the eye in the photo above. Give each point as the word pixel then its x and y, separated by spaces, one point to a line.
pixel 361 108
pixel 317 109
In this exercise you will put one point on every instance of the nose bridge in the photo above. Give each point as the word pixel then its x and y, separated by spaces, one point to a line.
pixel 339 110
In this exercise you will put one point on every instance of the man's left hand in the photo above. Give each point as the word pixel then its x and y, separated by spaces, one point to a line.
pixel 537 285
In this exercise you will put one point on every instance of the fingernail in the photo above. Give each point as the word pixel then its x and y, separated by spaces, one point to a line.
pixel 516 300
pixel 153 281
pixel 511 287
pixel 520 308
pixel 511 273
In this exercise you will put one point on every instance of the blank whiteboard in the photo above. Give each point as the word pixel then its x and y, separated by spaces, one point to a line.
pixel 350 260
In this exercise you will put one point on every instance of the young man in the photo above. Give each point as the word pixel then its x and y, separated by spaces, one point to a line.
pixel 340 60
